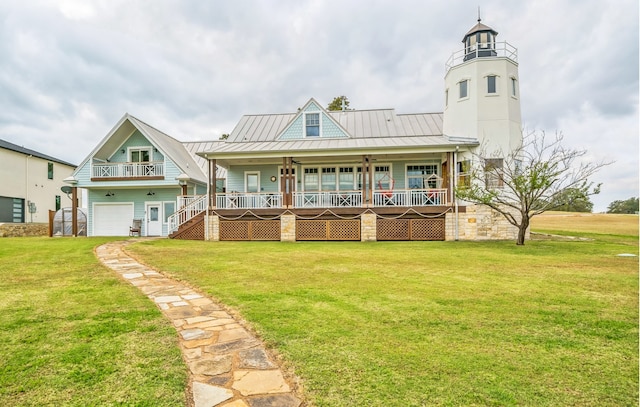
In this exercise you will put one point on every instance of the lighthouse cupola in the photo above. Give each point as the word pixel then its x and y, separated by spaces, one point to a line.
pixel 480 41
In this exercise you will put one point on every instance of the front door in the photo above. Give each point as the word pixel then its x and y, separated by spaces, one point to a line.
pixel 154 219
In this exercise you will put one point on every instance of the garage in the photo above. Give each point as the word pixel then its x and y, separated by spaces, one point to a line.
pixel 112 219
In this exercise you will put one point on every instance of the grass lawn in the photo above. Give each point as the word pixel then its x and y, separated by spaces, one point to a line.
pixel 72 334
pixel 434 323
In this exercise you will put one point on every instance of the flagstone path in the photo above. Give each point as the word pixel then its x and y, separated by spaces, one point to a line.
pixel 228 366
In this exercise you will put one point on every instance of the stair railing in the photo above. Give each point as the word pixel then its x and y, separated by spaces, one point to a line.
pixel 187 213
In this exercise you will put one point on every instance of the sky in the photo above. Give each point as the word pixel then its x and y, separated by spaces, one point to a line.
pixel 70 69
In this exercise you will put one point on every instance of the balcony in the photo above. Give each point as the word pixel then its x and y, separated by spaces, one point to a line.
pixel 152 170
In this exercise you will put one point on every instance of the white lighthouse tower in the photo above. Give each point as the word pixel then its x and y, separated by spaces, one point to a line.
pixel 482 96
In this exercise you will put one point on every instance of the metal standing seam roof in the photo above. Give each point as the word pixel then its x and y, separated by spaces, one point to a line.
pixel 26 151
pixel 367 129
pixel 194 147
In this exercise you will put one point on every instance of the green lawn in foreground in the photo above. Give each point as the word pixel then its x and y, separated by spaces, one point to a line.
pixel 433 323
pixel 73 334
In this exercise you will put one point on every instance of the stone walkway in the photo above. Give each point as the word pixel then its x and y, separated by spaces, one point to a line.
pixel 229 367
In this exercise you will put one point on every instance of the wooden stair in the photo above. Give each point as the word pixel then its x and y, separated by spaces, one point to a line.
pixel 193 229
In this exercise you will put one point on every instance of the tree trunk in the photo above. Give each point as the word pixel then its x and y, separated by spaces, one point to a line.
pixel 522 230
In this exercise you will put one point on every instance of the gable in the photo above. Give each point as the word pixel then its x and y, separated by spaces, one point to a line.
pixel 135 141
pixel 312 113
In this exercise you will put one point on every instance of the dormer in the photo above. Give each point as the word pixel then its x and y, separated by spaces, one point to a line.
pixel 312 122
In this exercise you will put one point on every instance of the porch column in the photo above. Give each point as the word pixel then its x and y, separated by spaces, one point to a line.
pixel 283 181
pixel 290 182
pixel 212 182
pixel 74 211
pixel 370 168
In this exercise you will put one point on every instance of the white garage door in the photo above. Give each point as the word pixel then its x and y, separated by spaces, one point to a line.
pixel 112 219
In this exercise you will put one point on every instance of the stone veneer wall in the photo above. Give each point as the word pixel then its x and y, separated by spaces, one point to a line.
pixel 213 228
pixel 24 229
pixel 480 222
pixel 288 228
pixel 368 227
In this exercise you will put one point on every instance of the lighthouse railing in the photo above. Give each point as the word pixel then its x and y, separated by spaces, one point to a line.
pixel 483 50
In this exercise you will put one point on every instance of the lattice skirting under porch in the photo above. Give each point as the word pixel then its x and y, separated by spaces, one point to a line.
pixel 324 229
pixel 250 230
pixel 410 229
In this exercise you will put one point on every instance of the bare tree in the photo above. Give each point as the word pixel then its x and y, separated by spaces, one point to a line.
pixel 540 175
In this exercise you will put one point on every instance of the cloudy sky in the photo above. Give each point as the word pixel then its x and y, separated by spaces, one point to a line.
pixel 70 69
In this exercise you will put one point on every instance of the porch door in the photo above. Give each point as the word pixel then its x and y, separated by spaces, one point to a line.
pixel 154 219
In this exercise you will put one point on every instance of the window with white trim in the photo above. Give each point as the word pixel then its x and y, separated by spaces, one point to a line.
pixel 382 177
pixel 491 84
pixel 493 173
pixel 169 209
pixel 419 176
pixel 346 179
pixel 251 182
pixel 312 124
pixel 514 87
pixel 311 179
pixel 328 182
pixel 139 155
pixel 464 91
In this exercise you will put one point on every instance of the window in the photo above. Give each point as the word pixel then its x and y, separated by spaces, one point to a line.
pixel 346 178
pixel 491 84
pixel 493 172
pixel 446 98
pixel 57 202
pixel 463 89
pixel 382 177
pixel 50 170
pixel 311 180
pixel 464 178
pixel 420 176
pixel 252 182
pixel 514 86
pixel 312 124
pixel 169 209
pixel 140 155
pixel 329 179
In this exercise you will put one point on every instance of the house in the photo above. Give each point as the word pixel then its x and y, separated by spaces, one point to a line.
pixel 314 174
pixel 373 174
pixel 31 183
pixel 138 173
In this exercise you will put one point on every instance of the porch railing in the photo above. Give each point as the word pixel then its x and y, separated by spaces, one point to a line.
pixel 411 197
pixel 327 199
pixel 128 170
pixel 187 212
pixel 235 200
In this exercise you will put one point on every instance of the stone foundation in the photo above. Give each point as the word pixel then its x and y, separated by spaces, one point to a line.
pixel 368 230
pixel 213 228
pixel 480 222
pixel 24 229
pixel 288 228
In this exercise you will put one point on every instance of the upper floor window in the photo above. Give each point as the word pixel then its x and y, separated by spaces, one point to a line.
pixel 464 91
pixel 491 84
pixel 312 124
pixel 446 98
pixel 50 170
pixel 140 155
pixel 514 87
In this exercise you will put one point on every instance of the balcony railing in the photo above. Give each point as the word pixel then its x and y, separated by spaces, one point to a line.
pixel 128 170
pixel 481 50
pixel 332 199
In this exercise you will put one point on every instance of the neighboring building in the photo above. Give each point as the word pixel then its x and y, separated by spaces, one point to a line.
pixel 31 183
pixel 316 174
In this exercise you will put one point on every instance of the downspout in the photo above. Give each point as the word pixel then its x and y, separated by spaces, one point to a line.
pixel 453 192
pixel 25 207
